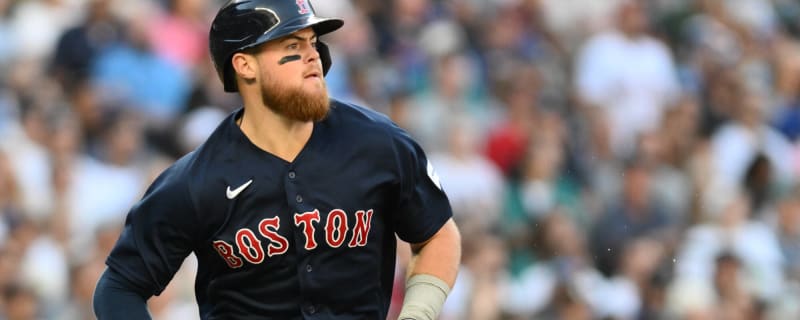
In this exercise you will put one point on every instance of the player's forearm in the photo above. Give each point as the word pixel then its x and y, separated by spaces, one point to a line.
pixel 440 256
pixel 432 273
pixel 115 299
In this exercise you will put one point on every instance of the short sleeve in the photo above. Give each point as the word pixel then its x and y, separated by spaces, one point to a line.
pixel 423 207
pixel 158 235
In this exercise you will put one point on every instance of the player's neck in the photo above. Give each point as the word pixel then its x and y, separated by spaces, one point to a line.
pixel 282 137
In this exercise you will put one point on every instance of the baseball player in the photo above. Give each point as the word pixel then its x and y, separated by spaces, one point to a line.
pixel 293 203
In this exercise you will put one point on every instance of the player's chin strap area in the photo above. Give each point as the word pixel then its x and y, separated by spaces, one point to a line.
pixel 425 295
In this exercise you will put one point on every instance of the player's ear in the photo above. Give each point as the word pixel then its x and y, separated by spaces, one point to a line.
pixel 244 66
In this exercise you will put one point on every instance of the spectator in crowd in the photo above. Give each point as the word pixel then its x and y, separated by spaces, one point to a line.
pixel 27 153
pixel 179 33
pixel 788 230
pixel 735 302
pixel 627 76
pixel 37 25
pixel 559 281
pixel 447 97
pixel 474 186
pixel 131 74
pixel 9 197
pixel 737 144
pixel 482 280
pixel 20 303
pixel 508 139
pixel 729 228
pixel 79 45
pixel 633 215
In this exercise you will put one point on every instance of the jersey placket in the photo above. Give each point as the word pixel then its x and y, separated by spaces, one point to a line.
pixel 299 205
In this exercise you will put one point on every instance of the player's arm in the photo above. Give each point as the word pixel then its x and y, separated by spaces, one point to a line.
pixel 439 256
pixel 117 298
pixel 423 218
pixel 432 273
pixel 160 231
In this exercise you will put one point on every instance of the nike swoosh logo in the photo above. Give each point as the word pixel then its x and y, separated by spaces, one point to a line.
pixel 235 192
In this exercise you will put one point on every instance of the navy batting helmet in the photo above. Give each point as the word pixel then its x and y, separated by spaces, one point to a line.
pixel 243 24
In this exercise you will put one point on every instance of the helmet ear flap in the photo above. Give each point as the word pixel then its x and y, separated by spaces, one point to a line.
pixel 324 56
pixel 229 78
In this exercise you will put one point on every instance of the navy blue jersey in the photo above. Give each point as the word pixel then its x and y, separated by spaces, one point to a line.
pixel 313 238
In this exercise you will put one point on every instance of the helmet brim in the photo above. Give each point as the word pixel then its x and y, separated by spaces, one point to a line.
pixel 321 26
pixel 326 25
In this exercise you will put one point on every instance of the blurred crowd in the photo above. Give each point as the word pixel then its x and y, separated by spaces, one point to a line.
pixel 605 159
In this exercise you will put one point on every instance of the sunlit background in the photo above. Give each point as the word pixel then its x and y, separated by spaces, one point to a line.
pixel 605 159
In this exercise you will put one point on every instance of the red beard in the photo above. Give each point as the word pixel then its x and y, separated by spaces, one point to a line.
pixel 295 104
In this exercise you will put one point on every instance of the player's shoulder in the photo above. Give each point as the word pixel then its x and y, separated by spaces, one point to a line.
pixel 348 111
pixel 362 119
pixel 180 171
pixel 371 129
pixel 173 183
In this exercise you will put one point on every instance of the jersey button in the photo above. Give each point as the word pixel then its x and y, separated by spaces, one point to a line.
pixel 291 175
pixel 299 199
pixel 309 268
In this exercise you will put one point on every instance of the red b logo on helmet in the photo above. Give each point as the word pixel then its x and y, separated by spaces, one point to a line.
pixel 303 5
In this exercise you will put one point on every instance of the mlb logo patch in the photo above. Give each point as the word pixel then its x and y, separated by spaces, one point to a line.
pixel 304 7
